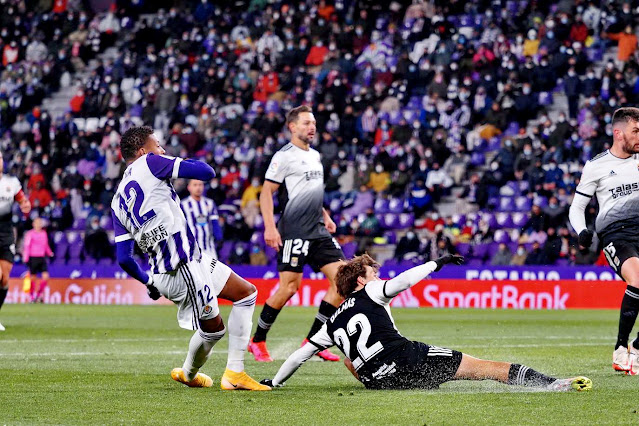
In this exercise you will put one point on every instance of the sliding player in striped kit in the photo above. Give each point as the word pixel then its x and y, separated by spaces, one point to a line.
pixel 202 217
pixel 146 211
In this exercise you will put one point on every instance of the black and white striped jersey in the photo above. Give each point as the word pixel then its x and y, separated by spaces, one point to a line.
pixel 364 330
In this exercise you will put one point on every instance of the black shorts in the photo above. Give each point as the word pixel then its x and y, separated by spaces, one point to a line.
pixel 617 252
pixel 7 252
pixel 38 265
pixel 421 367
pixel 295 253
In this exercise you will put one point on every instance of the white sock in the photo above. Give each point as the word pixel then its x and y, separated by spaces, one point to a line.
pixel 199 350
pixel 240 324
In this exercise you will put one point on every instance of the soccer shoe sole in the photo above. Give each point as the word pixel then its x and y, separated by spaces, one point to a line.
pixel 620 368
pixel 2 328
pixel 581 384
pixel 200 381
pixel 247 383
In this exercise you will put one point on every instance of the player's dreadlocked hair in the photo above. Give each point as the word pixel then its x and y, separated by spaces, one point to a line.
pixel 346 277
pixel 291 116
pixel 134 139
pixel 626 114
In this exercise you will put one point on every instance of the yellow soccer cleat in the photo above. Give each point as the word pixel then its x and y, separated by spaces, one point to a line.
pixel 240 381
pixel 200 381
pixel 579 384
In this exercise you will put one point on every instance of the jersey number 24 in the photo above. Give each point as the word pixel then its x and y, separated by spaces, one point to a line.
pixel 341 337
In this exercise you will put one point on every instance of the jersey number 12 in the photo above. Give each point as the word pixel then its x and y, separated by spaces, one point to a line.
pixel 359 321
pixel 133 195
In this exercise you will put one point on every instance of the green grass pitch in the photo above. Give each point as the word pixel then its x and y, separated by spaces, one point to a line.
pixel 110 365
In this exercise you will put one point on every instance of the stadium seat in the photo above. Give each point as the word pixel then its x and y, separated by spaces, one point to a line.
pixel 406 220
pixel 225 251
pixel 523 204
pixel 506 204
pixel 381 205
pixel 463 249
pixel 389 221
pixel 492 249
pixel 349 249
pixel 335 205
pixel 504 220
pixel 79 224
pixel 502 236
pixel 480 251
pixel 396 205
pixel 391 237
pixel 75 251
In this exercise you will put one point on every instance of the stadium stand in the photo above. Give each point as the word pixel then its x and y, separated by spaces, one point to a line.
pixel 461 125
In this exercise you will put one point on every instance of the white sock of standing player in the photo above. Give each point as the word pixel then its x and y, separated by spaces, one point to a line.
pixel 240 324
pixel 200 348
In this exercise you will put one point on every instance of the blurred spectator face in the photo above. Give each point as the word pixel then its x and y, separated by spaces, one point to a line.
pixel 502 247
pixel 536 210
pixel 195 188
pixel 37 224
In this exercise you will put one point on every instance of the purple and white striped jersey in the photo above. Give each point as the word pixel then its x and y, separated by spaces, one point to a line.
pixel 199 217
pixel 146 208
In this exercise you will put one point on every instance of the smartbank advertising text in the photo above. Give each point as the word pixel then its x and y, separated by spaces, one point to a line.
pixel 436 293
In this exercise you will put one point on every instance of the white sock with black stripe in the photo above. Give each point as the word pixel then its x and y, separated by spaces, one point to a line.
pixel 240 324
pixel 200 348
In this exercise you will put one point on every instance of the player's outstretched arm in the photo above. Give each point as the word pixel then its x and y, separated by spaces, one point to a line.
pixel 414 275
pixel 320 341
pixel 166 167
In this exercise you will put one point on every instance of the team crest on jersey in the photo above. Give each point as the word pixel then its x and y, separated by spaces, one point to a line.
pixel 208 309
pixel 294 261
pixel 274 166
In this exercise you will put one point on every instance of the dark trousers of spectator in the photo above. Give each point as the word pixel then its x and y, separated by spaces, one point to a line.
pixel 573 106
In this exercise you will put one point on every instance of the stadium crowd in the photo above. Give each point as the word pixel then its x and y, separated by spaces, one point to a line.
pixel 436 122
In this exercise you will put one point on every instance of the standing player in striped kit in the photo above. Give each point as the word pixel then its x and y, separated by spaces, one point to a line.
pixel 10 192
pixel 202 217
pixel 146 211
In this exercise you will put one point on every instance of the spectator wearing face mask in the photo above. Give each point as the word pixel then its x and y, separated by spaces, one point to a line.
pixel 239 256
pixel 502 257
pixel 379 179
pixel 408 247
pixel 519 258
pixel 573 89
pixel 96 241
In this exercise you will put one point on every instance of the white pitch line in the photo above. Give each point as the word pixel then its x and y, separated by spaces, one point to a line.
pixel 181 339
pixel 137 353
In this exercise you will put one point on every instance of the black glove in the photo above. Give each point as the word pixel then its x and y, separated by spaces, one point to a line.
pixel 267 382
pixel 585 238
pixel 449 258
pixel 153 292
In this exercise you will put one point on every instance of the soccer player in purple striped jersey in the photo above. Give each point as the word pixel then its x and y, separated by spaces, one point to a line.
pixel 202 217
pixel 146 211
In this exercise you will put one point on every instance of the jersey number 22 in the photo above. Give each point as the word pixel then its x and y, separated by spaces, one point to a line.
pixel 359 321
